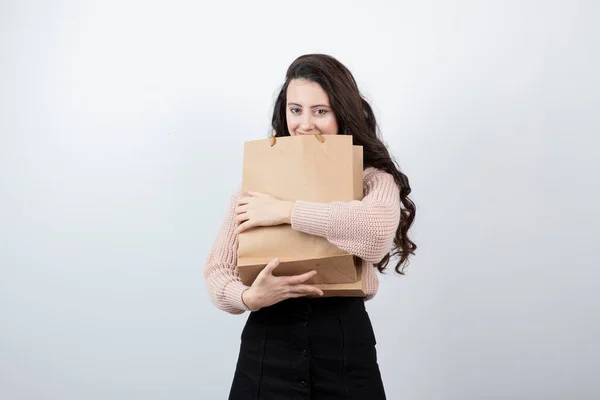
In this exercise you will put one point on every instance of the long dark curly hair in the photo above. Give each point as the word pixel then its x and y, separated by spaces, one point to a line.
pixel 355 117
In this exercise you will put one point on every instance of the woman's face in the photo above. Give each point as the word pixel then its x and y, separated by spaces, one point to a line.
pixel 308 110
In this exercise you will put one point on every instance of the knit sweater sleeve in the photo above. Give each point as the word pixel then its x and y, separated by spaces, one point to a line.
pixel 220 271
pixel 365 228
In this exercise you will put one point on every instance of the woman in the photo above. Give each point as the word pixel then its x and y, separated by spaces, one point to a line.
pixel 296 345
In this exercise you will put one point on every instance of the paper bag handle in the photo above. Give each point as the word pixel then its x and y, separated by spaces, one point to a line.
pixel 317 135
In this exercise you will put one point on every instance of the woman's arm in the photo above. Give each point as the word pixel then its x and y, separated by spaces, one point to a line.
pixel 365 228
pixel 220 272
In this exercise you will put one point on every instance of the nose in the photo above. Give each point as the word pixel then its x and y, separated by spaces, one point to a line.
pixel 307 124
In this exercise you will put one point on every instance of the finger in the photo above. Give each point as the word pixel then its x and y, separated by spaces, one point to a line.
pixel 257 194
pixel 303 294
pixel 244 226
pixel 241 218
pixel 241 209
pixel 293 295
pixel 306 289
pixel 243 201
pixel 296 279
pixel 270 267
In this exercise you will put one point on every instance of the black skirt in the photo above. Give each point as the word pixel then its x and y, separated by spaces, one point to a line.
pixel 313 349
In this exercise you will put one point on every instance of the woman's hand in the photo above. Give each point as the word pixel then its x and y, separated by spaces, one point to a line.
pixel 268 289
pixel 259 209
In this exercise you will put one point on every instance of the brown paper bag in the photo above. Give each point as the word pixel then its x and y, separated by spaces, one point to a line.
pixel 359 287
pixel 353 289
pixel 301 168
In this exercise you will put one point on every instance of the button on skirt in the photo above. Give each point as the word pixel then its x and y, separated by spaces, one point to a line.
pixel 310 349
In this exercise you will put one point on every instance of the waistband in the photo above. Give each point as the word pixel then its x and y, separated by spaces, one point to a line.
pixel 326 305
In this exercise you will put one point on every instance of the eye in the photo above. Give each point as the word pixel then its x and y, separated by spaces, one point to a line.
pixel 321 112
pixel 294 110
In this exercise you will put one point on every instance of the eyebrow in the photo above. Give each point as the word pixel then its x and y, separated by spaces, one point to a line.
pixel 315 106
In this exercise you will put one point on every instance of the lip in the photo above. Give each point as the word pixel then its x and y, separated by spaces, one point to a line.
pixel 311 133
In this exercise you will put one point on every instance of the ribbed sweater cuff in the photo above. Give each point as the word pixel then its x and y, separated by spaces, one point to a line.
pixel 311 218
pixel 234 292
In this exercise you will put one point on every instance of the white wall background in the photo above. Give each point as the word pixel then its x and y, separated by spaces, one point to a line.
pixel 121 131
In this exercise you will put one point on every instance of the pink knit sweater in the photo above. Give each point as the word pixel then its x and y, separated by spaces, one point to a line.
pixel 365 228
